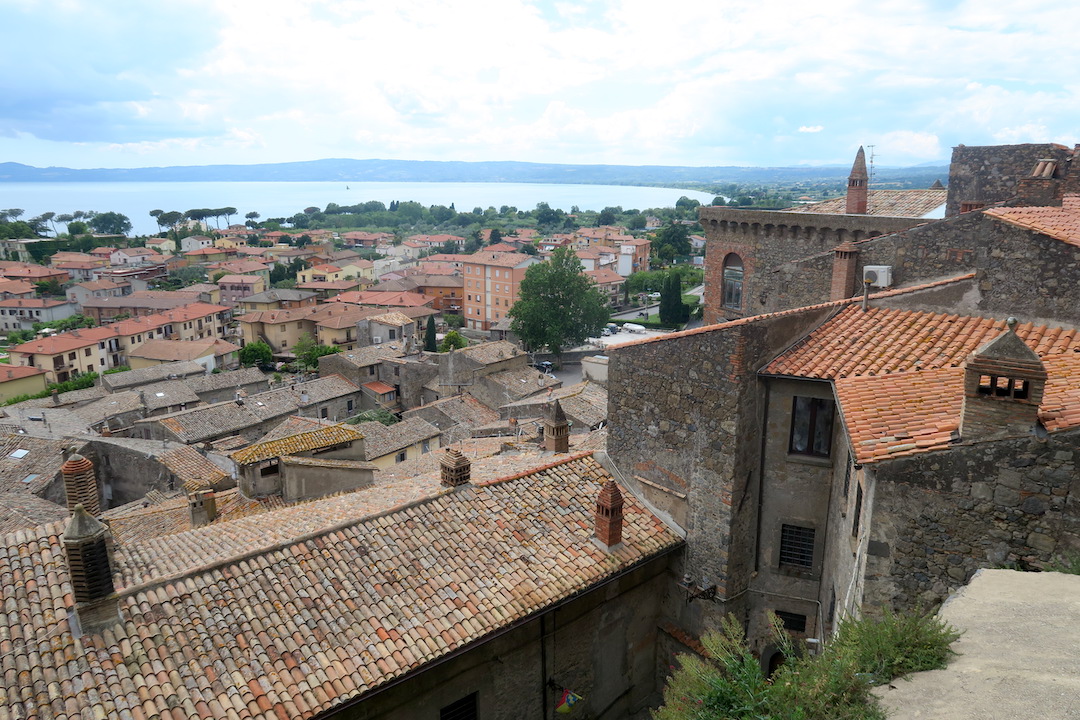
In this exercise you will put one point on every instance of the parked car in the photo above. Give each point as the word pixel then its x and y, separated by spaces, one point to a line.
pixel 654 295
pixel 543 366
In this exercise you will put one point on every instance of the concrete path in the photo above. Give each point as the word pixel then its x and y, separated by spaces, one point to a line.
pixel 1019 655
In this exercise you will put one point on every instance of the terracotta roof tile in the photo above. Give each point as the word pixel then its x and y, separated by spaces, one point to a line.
pixel 886 203
pixel 296 626
pixel 313 439
pixel 1061 223
pixel 880 341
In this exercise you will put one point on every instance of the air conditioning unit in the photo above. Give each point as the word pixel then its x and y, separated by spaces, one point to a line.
pixel 377 340
pixel 878 275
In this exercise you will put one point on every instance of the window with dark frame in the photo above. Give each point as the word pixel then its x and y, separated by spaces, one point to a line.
pixel 811 426
pixel 463 709
pixel 793 622
pixel 856 516
pixel 732 284
pixel 796 547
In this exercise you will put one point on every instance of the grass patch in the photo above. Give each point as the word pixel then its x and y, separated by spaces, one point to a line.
pixel 1068 564
pixel 834 685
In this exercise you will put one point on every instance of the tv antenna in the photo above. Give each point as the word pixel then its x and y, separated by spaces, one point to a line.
pixel 870 182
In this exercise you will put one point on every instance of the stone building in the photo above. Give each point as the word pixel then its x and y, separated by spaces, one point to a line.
pixel 1008 223
pixel 835 459
pixel 455 604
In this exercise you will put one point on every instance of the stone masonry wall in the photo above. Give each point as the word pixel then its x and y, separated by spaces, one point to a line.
pixel 1019 272
pixel 685 417
pixel 939 517
pixel 768 240
pixel 991 174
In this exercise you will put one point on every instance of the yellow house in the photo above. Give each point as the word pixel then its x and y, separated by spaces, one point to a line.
pixel 359 269
pixel 340 329
pixel 209 352
pixel 16 380
pixel 281 329
pixel 230 242
pixel 389 445
pixel 321 273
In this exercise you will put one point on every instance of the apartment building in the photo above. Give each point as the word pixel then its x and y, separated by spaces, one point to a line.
pixel 492 281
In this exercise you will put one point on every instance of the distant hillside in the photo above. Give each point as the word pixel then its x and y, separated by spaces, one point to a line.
pixel 432 171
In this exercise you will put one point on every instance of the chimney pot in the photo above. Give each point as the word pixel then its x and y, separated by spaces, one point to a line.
pixel 456 469
pixel 609 515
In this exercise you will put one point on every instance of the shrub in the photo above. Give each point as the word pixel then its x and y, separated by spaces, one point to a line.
pixel 835 685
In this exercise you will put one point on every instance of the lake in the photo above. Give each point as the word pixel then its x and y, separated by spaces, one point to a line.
pixel 284 199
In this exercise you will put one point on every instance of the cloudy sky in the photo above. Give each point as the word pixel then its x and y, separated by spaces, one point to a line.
pixel 116 83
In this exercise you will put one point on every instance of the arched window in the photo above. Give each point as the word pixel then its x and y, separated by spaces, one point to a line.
pixel 733 280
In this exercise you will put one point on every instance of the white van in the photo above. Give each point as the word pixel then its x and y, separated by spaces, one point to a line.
pixel 633 327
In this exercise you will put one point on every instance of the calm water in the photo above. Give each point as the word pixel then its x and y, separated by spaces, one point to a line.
pixel 283 199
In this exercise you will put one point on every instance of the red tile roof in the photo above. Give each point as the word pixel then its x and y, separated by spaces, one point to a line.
pixel 379 387
pixel 884 203
pixel 296 626
pixel 880 341
pixel 1061 223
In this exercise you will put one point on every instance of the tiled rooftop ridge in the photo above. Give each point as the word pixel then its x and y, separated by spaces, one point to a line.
pixel 298 630
pixel 882 341
pixel 837 304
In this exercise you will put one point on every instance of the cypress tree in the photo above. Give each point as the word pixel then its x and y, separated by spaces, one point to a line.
pixel 429 335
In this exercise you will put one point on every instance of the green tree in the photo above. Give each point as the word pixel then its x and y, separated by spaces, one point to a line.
pixel 256 353
pixel 308 351
pixel 673 311
pixel 48 287
pixel 558 306
pixel 674 235
pixel 453 340
pixel 111 223
pixel 429 335
pixel 496 236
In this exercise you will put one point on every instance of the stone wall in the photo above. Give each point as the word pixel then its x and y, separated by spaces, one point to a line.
pixel 1018 272
pixel 768 240
pixel 939 517
pixel 991 174
pixel 685 431
pixel 602 645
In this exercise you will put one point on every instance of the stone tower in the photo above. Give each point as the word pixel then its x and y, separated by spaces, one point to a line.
pixel 80 484
pixel 556 429
pixel 1003 387
pixel 857 186
pixel 90 571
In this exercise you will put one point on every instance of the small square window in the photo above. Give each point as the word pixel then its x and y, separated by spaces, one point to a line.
pixel 401 456
pixel 463 709
pixel 793 622
pixel 797 547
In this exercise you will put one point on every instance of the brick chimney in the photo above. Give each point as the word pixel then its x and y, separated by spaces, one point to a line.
pixel 80 483
pixel 203 507
pixel 455 467
pixel 608 517
pixel 845 264
pixel 1003 387
pixel 90 572
pixel 857 190
pixel 556 429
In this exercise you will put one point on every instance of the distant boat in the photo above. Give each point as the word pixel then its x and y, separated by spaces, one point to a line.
pixel 346 187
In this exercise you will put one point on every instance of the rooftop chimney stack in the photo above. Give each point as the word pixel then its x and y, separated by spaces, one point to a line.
pixel 203 507
pixel 609 515
pixel 857 186
pixel 845 265
pixel 86 547
pixel 556 429
pixel 456 468
pixel 1003 388
pixel 80 483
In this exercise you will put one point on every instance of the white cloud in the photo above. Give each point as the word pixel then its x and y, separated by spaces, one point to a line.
pixel 544 80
